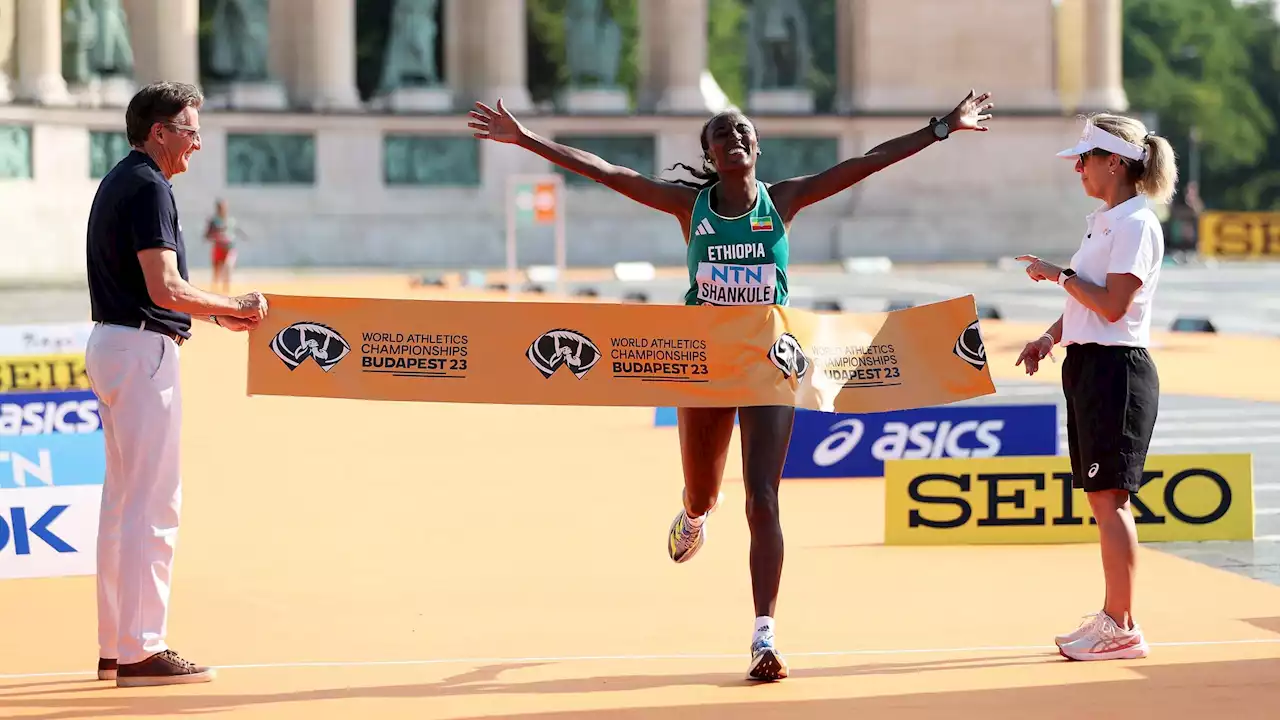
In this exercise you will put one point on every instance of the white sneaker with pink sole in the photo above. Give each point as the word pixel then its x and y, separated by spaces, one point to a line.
pixel 1104 639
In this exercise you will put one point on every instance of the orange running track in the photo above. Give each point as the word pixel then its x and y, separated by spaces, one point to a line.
pixel 343 559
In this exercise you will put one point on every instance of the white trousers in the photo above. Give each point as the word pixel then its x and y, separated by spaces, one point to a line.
pixel 134 373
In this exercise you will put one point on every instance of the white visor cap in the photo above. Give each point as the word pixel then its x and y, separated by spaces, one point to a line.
pixel 1095 137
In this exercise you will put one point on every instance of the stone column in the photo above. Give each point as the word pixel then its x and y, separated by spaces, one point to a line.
pixel 456 30
pixel 673 55
pixel 501 51
pixel 326 80
pixel 8 47
pixel 165 44
pixel 40 53
pixel 286 25
pixel 848 64
pixel 1103 79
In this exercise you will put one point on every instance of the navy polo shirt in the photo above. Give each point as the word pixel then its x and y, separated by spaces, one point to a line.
pixel 133 210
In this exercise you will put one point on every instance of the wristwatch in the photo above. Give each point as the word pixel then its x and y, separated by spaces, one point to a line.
pixel 1066 274
pixel 940 128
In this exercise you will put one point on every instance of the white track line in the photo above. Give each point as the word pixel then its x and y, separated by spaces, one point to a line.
pixel 1238 413
pixel 1208 442
pixel 1182 427
pixel 1215 440
pixel 1048 649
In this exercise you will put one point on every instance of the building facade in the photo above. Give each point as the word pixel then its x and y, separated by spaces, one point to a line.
pixel 338 140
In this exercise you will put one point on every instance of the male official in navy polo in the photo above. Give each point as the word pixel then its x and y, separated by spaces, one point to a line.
pixel 143 306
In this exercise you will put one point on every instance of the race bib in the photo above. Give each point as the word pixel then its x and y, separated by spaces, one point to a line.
pixel 724 284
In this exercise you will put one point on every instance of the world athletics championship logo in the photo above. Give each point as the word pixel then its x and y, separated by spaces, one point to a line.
pixel 787 355
pixel 969 346
pixel 563 347
pixel 302 340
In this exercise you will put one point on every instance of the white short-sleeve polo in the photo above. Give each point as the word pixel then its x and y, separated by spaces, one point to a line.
pixel 1125 239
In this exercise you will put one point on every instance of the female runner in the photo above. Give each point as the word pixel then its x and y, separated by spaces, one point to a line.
pixel 733 215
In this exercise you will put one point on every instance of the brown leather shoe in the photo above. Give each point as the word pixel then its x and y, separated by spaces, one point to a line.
pixel 163 668
pixel 106 669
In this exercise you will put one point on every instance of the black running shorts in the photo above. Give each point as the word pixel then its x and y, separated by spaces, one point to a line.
pixel 1112 397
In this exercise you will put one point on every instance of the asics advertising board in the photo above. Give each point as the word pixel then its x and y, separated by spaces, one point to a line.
pixel 52 466
pixel 843 445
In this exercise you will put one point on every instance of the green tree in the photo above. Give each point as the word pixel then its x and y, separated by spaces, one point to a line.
pixel 1259 189
pixel 1201 64
pixel 727 47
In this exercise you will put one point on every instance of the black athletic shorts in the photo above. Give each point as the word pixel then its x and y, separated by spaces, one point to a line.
pixel 1112 397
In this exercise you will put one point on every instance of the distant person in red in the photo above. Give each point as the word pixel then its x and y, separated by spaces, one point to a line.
pixel 222 233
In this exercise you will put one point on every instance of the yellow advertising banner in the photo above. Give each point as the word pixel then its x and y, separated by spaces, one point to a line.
pixel 1254 235
pixel 32 373
pixel 618 354
pixel 1029 500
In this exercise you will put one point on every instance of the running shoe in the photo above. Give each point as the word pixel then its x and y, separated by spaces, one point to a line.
pixel 1106 640
pixel 683 540
pixel 766 664
pixel 1090 620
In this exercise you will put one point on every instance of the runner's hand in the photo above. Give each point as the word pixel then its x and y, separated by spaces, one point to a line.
pixel 970 113
pixel 498 125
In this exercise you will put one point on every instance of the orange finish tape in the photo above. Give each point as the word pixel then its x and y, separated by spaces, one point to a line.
pixel 618 354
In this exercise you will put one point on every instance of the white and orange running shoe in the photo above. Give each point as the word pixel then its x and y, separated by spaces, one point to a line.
pixel 1106 640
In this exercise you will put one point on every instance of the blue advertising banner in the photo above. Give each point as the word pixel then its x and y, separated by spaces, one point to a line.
pixel 50 439
pixel 52 453
pixel 843 445
pixel 856 445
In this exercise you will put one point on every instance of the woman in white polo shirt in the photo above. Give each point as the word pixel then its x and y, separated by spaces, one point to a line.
pixel 1111 385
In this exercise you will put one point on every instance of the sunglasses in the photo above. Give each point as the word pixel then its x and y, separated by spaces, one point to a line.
pixel 1095 152
pixel 193 132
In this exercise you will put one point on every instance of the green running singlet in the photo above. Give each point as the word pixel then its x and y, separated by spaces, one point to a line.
pixel 740 260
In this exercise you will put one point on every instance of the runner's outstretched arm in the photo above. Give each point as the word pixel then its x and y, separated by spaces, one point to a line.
pixel 499 125
pixel 795 194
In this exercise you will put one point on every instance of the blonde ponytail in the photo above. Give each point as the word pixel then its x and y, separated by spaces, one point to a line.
pixel 1157 177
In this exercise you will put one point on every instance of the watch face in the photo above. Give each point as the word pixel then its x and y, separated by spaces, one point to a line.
pixel 940 130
